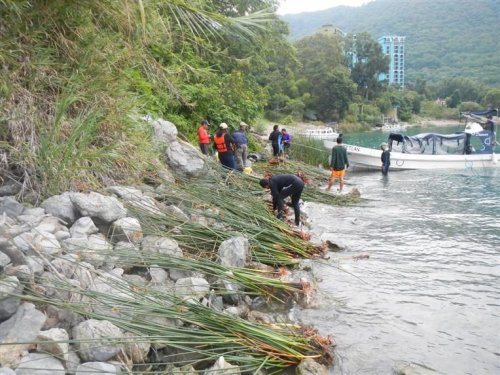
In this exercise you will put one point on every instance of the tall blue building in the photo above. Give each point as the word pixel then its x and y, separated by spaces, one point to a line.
pixel 394 47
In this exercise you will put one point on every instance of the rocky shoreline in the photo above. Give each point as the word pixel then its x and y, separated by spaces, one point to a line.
pixel 82 249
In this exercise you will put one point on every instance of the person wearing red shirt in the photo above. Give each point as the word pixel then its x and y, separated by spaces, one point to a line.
pixel 203 137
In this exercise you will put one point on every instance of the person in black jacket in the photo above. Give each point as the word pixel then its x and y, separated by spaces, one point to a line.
pixel 282 186
pixel 275 138
pixel 385 157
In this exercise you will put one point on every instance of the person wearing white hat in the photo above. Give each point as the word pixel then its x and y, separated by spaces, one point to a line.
pixel 224 145
pixel 385 157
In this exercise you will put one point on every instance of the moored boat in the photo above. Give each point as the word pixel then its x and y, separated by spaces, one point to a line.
pixel 321 133
pixel 471 148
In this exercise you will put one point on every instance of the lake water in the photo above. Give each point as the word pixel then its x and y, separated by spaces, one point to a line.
pixel 429 293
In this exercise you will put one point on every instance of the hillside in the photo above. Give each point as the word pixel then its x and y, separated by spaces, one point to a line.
pixel 444 38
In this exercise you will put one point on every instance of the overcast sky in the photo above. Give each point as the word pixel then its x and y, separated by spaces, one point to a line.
pixel 298 6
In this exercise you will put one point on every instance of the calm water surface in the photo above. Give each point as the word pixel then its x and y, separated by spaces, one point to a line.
pixel 430 291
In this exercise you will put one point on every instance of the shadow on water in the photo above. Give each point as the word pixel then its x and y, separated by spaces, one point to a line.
pixel 429 291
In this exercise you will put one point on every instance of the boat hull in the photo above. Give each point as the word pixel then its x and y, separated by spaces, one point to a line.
pixel 369 158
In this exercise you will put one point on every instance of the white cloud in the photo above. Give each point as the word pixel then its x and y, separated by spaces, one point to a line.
pixel 298 6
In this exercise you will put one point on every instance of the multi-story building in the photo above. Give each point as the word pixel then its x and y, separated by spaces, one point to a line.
pixel 394 47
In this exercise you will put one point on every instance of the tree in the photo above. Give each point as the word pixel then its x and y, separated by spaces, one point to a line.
pixel 366 61
pixel 332 94
pixel 454 100
pixel 492 98
pixel 328 81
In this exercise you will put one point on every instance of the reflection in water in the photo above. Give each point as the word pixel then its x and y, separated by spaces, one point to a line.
pixel 430 291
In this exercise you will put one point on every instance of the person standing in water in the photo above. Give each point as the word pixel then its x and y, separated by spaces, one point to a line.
pixel 338 164
pixel 385 157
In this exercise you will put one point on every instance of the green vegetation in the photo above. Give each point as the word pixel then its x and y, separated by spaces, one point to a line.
pixel 444 39
pixel 76 78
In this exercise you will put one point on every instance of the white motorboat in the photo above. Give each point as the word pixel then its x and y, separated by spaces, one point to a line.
pixel 472 148
pixel 321 133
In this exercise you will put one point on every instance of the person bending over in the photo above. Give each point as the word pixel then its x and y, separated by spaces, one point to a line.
pixel 282 186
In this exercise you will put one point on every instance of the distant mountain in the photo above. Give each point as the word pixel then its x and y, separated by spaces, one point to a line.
pixel 444 38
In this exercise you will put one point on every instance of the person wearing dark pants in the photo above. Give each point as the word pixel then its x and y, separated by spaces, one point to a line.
pixel 385 157
pixel 282 186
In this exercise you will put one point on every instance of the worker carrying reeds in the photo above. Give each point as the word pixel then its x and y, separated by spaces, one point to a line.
pixel 282 186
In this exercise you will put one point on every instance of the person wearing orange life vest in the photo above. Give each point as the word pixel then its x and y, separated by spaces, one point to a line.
pixel 203 137
pixel 224 145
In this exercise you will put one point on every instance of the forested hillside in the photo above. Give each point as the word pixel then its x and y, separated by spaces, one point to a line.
pixel 444 38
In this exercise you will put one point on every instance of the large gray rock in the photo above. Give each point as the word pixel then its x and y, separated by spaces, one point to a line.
pixel 61 207
pixel 10 187
pixel 127 229
pixel 136 198
pixel 7 371
pixel 191 287
pixel 49 224
pixel 95 249
pixel 310 367
pixel 186 159
pixel 32 216
pixel 10 290
pixel 97 368
pixel 97 340
pixel 83 227
pixel 10 207
pixel 165 131
pixel 22 327
pixel 95 205
pixel 4 261
pixel 39 364
pixel 46 243
pixel 161 245
pixel 136 348
pixel 234 252
pixel 55 342
pixel 66 264
pixel 15 254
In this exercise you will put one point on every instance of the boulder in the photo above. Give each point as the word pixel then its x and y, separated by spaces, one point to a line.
pixel 10 207
pixel 97 340
pixel 10 289
pixel 4 261
pixel 46 243
pixel 50 224
pixel 161 245
pixel 32 216
pixel 55 342
pixel 310 367
pixel 105 208
pixel 39 364
pixel 234 252
pixel 94 249
pixel 191 287
pixel 83 227
pixel 10 187
pixel 14 253
pixel 165 132
pixel 97 368
pixel 22 327
pixel 66 264
pixel 185 159
pixel 62 207
pixel 136 348
pixel 127 229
